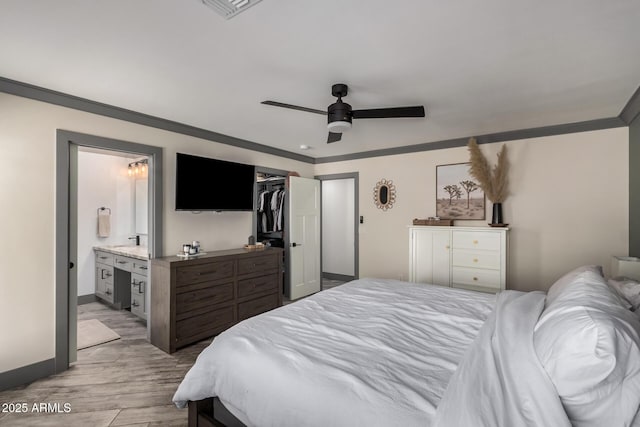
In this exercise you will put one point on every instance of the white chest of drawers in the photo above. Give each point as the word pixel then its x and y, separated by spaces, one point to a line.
pixel 463 257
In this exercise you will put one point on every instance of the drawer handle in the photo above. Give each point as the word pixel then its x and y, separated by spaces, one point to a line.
pixel 475 260
pixel 475 242
pixel 143 267
pixel 475 279
pixel 103 257
pixel 140 285
pixel 202 273
pixel 108 292
pixel 447 247
pixel 122 262
pixel 135 304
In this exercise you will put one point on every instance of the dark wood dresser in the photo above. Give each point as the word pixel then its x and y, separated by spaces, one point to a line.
pixel 199 297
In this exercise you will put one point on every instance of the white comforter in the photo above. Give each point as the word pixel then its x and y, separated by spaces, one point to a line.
pixel 368 353
pixel 500 381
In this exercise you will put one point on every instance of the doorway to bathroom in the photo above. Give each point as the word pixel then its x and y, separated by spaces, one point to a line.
pixel 108 195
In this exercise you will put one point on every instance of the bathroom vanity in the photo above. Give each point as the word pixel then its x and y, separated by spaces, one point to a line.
pixel 122 277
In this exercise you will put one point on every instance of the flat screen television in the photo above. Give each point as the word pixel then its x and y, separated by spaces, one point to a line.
pixel 205 184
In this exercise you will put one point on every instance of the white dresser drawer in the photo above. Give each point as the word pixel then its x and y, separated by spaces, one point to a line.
pixel 123 263
pixel 104 258
pixel 476 277
pixel 476 258
pixel 484 240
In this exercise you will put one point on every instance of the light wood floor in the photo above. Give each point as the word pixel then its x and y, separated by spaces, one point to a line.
pixel 127 382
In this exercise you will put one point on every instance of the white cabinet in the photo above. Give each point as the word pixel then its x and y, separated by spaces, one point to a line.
pixel 462 257
pixel 104 276
pixel 122 280
pixel 138 289
pixel 430 253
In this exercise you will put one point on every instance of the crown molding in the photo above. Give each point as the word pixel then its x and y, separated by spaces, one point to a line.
pixel 629 113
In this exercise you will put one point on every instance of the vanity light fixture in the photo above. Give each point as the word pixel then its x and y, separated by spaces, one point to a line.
pixel 229 8
pixel 138 168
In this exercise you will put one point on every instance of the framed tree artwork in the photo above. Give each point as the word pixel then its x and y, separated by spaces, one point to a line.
pixel 458 195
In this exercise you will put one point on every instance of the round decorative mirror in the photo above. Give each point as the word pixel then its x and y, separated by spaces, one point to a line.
pixel 384 194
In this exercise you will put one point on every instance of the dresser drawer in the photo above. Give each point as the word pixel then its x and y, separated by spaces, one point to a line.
pixel 138 301
pixel 140 267
pixel 203 295
pixel 204 272
pixel 104 258
pixel 104 272
pixel 205 324
pixel 476 240
pixel 476 277
pixel 257 285
pixel 139 283
pixel 476 259
pixel 123 263
pixel 105 291
pixel 257 263
pixel 257 306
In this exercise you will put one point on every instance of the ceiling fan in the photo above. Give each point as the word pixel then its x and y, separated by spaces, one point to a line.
pixel 339 114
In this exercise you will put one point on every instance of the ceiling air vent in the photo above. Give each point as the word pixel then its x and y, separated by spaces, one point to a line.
pixel 230 8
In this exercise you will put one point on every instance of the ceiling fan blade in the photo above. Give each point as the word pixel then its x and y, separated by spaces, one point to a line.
pixel 384 113
pixel 294 107
pixel 334 137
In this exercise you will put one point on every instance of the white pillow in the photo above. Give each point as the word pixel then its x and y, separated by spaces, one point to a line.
pixel 589 344
pixel 589 273
pixel 627 288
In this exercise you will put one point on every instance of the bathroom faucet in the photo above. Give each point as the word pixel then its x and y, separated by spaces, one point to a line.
pixel 137 239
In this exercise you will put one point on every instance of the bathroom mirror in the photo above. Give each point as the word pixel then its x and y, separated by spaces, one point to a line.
pixel 141 206
pixel 384 194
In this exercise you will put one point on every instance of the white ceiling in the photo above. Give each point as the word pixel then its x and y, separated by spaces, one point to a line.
pixel 478 67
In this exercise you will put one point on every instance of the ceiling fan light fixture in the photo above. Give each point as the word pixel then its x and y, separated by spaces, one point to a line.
pixel 339 126
pixel 229 8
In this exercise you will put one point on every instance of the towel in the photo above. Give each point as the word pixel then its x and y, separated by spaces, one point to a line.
pixel 104 224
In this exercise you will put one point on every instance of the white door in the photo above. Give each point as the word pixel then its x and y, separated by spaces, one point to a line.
pixel 429 260
pixel 304 238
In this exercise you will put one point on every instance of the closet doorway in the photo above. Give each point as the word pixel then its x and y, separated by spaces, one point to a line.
pixel 340 224
pixel 68 145
pixel 287 214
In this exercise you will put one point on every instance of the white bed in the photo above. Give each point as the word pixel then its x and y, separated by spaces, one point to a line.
pixel 384 353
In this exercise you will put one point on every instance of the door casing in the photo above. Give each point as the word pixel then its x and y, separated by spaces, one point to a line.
pixel 66 225
pixel 356 214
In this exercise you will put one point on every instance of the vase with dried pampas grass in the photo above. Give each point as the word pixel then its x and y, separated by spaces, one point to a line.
pixel 494 181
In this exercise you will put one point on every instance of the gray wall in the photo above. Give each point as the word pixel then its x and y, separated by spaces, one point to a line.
pixel 634 187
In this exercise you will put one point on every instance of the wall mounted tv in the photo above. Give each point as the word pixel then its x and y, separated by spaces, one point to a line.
pixel 205 184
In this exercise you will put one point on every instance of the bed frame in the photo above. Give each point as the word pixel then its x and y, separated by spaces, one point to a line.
pixel 201 414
